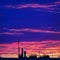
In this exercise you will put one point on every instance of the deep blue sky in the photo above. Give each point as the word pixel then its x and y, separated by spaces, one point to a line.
pixel 25 1
pixel 34 18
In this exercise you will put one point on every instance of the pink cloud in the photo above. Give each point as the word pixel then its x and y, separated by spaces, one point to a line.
pixel 31 5
pixel 19 31
pixel 11 33
pixel 34 6
pixel 34 30
pixel 57 2
pixel 48 7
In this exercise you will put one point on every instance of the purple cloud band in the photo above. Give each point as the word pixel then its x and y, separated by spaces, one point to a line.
pixel 11 33
pixel 34 30
pixel 31 5
pixel 19 31
pixel 50 7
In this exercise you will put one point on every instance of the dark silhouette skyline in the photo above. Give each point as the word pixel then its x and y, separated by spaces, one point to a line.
pixel 23 56
pixel 23 53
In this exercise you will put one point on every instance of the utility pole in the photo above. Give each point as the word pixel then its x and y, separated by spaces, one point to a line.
pixel 18 49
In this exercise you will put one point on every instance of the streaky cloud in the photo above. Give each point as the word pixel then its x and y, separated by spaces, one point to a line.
pixel 11 33
pixel 34 30
pixel 49 7
pixel 31 5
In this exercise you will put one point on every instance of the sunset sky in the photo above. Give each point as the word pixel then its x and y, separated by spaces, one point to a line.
pixel 35 23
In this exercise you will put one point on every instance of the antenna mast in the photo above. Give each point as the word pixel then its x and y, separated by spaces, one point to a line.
pixel 18 49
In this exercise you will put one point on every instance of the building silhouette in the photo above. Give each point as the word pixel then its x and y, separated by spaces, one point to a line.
pixel 24 53
pixel 22 56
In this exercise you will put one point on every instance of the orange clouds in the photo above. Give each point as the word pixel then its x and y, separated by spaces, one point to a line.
pixel 48 47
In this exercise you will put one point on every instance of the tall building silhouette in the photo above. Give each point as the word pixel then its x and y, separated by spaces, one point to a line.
pixel 24 53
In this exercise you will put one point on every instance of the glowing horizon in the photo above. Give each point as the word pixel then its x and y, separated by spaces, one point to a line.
pixel 47 47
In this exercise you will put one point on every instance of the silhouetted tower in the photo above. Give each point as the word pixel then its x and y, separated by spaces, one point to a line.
pixel 18 50
pixel 24 53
